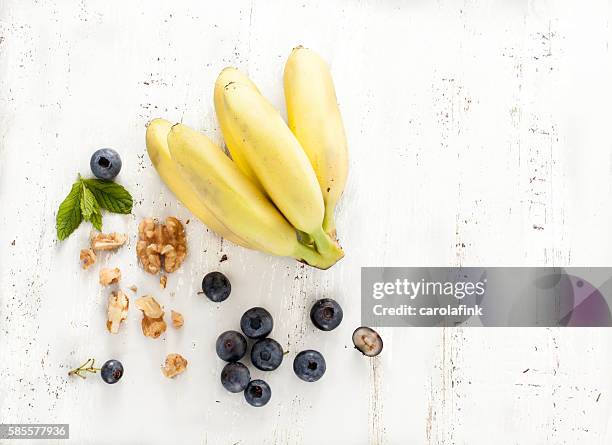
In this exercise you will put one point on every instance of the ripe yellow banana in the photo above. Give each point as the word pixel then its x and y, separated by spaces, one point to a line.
pixel 169 171
pixel 234 199
pixel 234 145
pixel 279 162
pixel 314 118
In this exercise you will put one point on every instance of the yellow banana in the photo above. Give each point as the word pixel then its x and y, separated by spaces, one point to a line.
pixel 234 145
pixel 279 162
pixel 234 199
pixel 314 118
pixel 169 171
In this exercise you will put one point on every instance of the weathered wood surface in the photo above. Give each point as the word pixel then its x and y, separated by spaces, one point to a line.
pixel 479 135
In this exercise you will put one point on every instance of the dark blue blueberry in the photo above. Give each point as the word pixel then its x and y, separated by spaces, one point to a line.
pixel 235 377
pixel 216 287
pixel 326 314
pixel 111 371
pixel 231 346
pixel 266 354
pixel 367 341
pixel 257 393
pixel 309 365
pixel 105 164
pixel 256 323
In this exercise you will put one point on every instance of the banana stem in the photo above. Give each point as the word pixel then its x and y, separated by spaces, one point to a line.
pixel 314 258
pixel 325 245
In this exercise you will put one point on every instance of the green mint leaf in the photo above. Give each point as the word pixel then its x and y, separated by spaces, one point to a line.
pixel 96 219
pixel 110 195
pixel 69 213
pixel 89 205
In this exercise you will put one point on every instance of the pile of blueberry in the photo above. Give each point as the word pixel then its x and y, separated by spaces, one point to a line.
pixel 266 353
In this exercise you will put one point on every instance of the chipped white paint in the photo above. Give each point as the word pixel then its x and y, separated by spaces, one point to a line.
pixel 478 136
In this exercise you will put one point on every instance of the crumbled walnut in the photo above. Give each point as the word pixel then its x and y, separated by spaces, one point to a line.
pixel 118 304
pixel 153 324
pixel 108 241
pixel 88 258
pixel 163 280
pixel 177 319
pixel 153 327
pixel 161 245
pixel 149 307
pixel 109 276
pixel 175 365
pixel 133 288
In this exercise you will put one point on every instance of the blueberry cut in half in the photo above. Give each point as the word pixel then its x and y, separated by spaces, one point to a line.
pixel 105 164
pixel 231 346
pixel 309 365
pixel 326 314
pixel 266 354
pixel 257 393
pixel 256 323
pixel 367 341
pixel 235 377
pixel 216 287
pixel 111 371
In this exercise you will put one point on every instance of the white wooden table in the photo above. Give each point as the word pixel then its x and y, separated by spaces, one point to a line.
pixel 479 135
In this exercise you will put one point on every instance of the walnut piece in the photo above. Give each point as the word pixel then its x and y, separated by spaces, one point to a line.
pixel 118 304
pixel 175 365
pixel 161 245
pixel 149 307
pixel 163 280
pixel 109 276
pixel 153 324
pixel 108 241
pixel 133 288
pixel 177 319
pixel 88 258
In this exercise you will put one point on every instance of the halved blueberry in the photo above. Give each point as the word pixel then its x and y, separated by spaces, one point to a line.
pixel 367 341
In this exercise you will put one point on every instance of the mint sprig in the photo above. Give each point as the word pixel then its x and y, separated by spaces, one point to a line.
pixel 84 202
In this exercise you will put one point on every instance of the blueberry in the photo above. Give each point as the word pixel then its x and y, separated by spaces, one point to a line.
pixel 326 314
pixel 216 287
pixel 111 371
pixel 231 346
pixel 367 341
pixel 235 377
pixel 256 323
pixel 105 163
pixel 309 365
pixel 266 354
pixel 257 393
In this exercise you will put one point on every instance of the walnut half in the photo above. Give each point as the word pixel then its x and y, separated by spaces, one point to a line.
pixel 118 304
pixel 161 245
pixel 175 365
pixel 153 324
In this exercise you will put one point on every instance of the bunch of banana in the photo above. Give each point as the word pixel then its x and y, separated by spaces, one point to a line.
pixel 278 191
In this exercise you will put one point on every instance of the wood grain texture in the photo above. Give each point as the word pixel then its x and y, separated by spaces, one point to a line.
pixel 478 135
